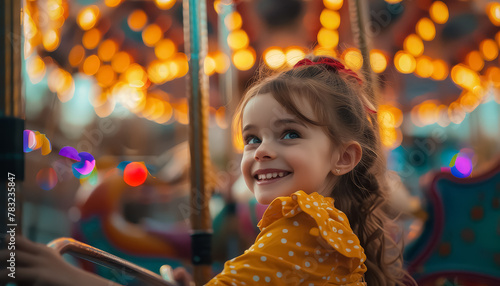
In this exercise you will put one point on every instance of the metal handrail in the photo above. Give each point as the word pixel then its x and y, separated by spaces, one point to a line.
pixel 65 245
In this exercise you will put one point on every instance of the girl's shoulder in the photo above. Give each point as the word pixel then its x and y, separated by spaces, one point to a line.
pixel 324 220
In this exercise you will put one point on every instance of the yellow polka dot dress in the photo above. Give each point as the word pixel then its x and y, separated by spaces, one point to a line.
pixel 304 240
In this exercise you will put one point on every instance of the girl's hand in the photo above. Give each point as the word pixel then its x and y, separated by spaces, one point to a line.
pixel 37 264
pixel 182 276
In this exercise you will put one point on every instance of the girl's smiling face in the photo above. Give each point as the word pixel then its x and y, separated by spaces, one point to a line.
pixel 283 154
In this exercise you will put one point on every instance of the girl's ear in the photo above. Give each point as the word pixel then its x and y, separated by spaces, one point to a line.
pixel 349 156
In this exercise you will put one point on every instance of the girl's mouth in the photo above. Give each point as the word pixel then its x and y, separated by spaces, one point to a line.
pixel 270 177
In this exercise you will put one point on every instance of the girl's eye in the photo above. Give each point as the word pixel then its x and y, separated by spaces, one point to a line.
pixel 251 139
pixel 291 134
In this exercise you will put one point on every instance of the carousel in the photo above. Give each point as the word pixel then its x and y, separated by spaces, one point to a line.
pixel 118 130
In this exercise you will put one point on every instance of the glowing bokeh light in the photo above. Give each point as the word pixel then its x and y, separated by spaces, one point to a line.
pixel 233 21
pixel 353 59
pixel 293 55
pixel 274 57
pixel 330 19
pixel 50 40
pixel 328 38
pixel 105 76
pixel 238 39
pixel 87 17
pixel 474 60
pixel 165 49
pixel 107 50
pixel 112 3
pixel 404 62
pixel 244 59
pixel 333 4
pixel 151 35
pixel 489 49
pixel 465 77
pixel 439 12
pixel 76 55
pixel 91 65
pixel 425 29
pixel 165 4
pixel 424 67
pixel 46 179
pixel 137 20
pixel 440 70
pixel 461 166
pixel 136 76
pixel 135 174
pixel 221 62
pixel 35 67
pixel 414 45
pixel 209 65
pixel 121 61
pixel 493 12
pixel 91 38
pixel 378 61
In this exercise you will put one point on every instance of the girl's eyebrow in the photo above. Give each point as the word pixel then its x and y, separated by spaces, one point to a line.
pixel 278 123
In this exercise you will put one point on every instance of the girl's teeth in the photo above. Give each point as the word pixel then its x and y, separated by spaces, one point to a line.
pixel 271 175
pixel 281 174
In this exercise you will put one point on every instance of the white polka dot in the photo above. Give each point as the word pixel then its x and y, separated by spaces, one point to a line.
pixel 256 278
pixel 297 267
pixel 325 233
pixel 298 244
pixel 350 241
pixel 333 268
pixel 324 277
pixel 320 259
pixel 285 230
pixel 269 234
pixel 232 266
pixel 340 231
pixel 267 279
pixel 306 253
pixel 308 206
pixel 283 202
pixel 290 253
pixel 318 252
pixel 307 264
pixel 361 260
pixel 336 278
pixel 341 218
pixel 331 240
pixel 280 258
pixel 348 249
pixel 299 209
pixel 334 229
pixel 295 223
pixel 320 227
pixel 233 271
pixel 263 258
pixel 329 208
pixel 308 199
pixel 283 240
pixel 292 212
pixel 261 245
pixel 232 283
pixel 328 278
pixel 279 274
pixel 246 265
pixel 318 215
pixel 315 203
pixel 336 246
pixel 344 280
pixel 357 247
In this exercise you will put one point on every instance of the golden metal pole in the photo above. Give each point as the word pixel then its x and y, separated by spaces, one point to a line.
pixel 196 43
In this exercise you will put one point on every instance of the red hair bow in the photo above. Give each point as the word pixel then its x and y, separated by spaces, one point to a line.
pixel 331 64
pixel 335 66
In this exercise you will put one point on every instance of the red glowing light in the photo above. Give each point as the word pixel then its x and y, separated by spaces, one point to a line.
pixel 135 174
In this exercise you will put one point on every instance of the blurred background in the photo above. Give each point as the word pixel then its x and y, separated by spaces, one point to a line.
pixel 109 78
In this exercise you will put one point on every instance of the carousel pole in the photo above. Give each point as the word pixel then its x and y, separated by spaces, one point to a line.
pixel 196 46
pixel 358 13
pixel 11 121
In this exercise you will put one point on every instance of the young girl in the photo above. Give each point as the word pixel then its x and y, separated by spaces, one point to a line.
pixel 312 152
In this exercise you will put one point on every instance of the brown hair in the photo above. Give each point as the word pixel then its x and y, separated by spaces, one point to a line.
pixel 341 106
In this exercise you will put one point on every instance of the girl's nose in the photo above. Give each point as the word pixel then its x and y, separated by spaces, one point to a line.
pixel 264 152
